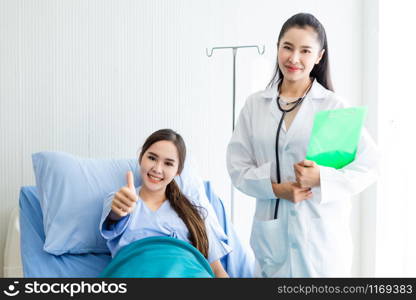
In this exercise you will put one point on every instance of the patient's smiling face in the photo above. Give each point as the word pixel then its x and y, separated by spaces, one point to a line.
pixel 159 165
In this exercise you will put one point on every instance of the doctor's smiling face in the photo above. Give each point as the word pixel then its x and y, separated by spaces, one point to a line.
pixel 302 52
pixel 159 165
pixel 299 50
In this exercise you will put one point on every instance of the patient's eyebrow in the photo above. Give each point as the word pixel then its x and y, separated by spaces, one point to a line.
pixel 157 156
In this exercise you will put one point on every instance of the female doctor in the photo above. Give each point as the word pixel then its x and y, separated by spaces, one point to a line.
pixel 300 227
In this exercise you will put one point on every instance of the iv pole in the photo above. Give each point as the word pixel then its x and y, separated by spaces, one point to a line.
pixel 235 48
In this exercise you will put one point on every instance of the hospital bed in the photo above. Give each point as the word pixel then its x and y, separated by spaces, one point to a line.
pixel 25 256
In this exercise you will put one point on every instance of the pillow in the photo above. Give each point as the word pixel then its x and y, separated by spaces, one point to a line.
pixel 71 194
pixel 72 191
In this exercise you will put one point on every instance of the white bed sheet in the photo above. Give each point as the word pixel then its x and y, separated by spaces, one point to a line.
pixel 12 260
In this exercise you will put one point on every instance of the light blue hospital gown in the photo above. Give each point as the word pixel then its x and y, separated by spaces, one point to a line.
pixel 143 223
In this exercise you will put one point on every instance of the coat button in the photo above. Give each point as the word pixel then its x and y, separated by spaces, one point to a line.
pixel 294 246
pixel 268 261
pixel 293 213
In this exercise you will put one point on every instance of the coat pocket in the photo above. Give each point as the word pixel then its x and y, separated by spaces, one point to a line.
pixel 269 242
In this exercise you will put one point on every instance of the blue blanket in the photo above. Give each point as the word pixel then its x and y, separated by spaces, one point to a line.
pixel 158 257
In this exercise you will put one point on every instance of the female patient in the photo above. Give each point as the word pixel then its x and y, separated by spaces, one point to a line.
pixel 158 207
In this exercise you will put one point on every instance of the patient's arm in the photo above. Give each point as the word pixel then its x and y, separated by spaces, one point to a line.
pixel 112 218
pixel 218 269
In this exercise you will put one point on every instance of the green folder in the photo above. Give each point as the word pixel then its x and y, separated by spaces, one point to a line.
pixel 335 136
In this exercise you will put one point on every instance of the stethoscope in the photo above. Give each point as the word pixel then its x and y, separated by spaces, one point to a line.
pixel 284 111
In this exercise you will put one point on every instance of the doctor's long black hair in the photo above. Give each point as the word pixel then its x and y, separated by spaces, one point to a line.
pixel 190 214
pixel 320 71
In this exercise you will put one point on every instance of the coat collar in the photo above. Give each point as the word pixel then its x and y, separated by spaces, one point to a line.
pixel 317 92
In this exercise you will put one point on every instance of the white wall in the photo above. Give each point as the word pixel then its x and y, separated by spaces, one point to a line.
pixel 395 237
pixel 94 78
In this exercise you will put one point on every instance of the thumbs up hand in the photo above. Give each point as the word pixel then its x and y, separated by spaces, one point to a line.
pixel 124 201
pixel 130 182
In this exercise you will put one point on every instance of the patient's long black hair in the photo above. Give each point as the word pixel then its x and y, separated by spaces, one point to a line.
pixel 189 213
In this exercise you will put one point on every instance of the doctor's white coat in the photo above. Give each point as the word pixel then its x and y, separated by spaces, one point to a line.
pixel 311 238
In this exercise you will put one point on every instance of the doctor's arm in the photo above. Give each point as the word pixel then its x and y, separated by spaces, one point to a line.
pixel 246 174
pixel 291 191
pixel 307 174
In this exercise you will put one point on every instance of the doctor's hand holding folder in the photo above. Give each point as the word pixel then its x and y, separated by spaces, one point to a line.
pixel 333 143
